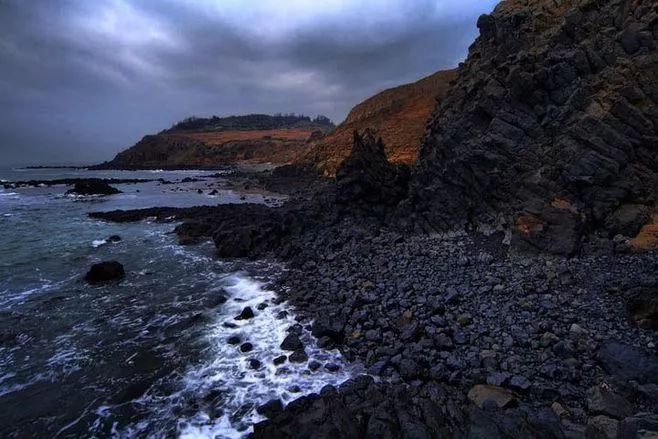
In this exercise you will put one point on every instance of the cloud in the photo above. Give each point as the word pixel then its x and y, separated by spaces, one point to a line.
pixel 85 79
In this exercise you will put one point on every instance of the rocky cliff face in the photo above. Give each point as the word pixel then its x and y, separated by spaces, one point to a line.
pixel 397 115
pixel 551 130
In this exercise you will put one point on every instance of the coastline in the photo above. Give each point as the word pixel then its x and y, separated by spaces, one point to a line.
pixel 434 317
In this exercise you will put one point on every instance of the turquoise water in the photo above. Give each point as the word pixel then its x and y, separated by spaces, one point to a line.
pixel 145 357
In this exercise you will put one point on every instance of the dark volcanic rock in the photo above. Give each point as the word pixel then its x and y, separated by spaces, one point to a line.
pixel 104 272
pixel 551 126
pixel 327 326
pixel 366 180
pixel 299 356
pixel 628 363
pixel 246 314
pixel 642 307
pixel 643 425
pixel 93 186
pixel 292 343
pixel 363 409
pixel 270 408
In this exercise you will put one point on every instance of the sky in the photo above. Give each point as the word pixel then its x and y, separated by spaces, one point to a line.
pixel 81 80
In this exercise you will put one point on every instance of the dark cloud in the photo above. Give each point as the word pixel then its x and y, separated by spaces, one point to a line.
pixel 81 80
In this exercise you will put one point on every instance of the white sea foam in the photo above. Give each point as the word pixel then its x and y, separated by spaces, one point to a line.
pixel 98 242
pixel 228 372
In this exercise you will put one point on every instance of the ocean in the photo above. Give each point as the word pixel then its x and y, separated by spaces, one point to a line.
pixel 147 356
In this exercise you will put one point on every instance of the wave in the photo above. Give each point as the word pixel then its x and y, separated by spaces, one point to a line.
pixel 232 373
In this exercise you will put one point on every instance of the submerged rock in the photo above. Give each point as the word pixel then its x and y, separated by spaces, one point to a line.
pixel 114 238
pixel 105 272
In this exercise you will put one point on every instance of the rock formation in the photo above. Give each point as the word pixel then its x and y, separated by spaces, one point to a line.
pixel 551 129
pixel 92 186
pixel 367 180
pixel 397 115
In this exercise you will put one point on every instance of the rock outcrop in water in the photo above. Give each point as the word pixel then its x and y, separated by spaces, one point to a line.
pixel 105 272
pixel 551 129
pixel 93 186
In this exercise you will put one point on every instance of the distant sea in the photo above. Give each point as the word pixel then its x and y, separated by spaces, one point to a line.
pixel 147 356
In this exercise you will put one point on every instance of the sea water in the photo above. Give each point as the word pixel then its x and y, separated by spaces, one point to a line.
pixel 147 356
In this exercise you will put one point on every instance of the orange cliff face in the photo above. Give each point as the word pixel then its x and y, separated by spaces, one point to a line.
pixel 398 115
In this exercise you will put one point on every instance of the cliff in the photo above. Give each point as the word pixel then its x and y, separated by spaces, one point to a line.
pixel 551 129
pixel 208 142
pixel 397 115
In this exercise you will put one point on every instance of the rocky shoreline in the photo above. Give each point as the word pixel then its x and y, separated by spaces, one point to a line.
pixel 497 287
pixel 463 335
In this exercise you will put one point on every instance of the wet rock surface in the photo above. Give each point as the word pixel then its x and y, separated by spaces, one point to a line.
pixel 93 186
pixel 105 272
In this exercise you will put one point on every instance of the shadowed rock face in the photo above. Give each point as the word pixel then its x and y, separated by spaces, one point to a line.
pixel 551 129
pixel 366 180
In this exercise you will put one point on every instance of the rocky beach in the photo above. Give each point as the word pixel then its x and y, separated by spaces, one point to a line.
pixel 281 277
pixel 460 334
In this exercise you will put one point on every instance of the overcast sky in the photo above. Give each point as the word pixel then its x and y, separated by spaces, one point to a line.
pixel 81 80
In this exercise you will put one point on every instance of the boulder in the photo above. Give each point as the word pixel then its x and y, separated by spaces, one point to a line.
pixel 246 314
pixel 328 326
pixel 299 356
pixel 627 220
pixel 483 394
pixel 270 408
pixel 601 400
pixel 93 186
pixel 292 343
pixel 628 363
pixel 105 272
